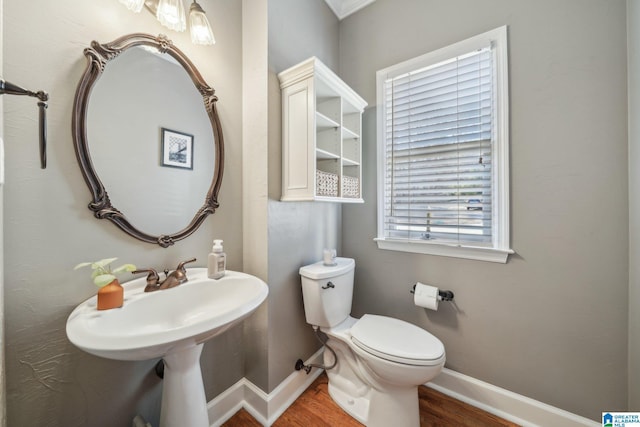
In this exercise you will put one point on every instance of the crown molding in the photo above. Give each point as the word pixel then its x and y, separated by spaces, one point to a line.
pixel 344 8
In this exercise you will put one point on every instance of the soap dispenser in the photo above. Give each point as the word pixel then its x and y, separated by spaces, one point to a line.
pixel 217 261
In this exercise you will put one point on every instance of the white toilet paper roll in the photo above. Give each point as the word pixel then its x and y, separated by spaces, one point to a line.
pixel 426 296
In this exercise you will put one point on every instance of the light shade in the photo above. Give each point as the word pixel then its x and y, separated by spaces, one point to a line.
pixel 199 26
pixel 133 5
pixel 171 14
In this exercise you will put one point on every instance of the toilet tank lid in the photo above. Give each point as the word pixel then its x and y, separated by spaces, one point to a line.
pixel 320 271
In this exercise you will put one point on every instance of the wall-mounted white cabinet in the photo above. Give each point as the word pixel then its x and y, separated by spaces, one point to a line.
pixel 321 135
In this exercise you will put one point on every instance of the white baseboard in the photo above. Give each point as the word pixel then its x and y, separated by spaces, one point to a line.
pixel 508 405
pixel 265 408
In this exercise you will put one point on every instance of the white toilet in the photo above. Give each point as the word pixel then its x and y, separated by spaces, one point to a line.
pixel 381 360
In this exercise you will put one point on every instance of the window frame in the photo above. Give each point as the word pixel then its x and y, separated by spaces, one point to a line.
pixel 500 245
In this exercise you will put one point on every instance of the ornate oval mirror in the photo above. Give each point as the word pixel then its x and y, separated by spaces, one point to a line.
pixel 141 129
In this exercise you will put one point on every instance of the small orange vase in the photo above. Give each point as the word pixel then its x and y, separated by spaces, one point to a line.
pixel 111 296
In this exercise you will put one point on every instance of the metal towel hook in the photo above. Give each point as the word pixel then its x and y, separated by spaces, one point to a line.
pixel 11 89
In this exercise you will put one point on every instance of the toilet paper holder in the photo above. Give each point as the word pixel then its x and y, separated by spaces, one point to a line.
pixel 442 295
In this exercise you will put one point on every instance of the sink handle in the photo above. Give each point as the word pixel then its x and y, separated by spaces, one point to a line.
pixel 152 277
pixel 176 277
pixel 181 265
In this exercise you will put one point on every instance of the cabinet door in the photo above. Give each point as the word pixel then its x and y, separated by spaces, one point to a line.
pixel 298 150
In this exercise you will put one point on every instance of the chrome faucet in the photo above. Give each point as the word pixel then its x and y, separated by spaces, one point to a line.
pixel 175 278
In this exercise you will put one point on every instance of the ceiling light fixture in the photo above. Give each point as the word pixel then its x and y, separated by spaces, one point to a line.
pixel 171 14
pixel 133 5
pixel 199 26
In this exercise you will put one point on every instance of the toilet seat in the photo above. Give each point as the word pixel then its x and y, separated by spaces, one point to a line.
pixel 397 341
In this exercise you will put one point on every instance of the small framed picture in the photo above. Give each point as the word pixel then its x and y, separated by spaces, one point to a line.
pixel 177 149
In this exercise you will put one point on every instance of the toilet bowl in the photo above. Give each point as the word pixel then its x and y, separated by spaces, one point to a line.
pixel 381 361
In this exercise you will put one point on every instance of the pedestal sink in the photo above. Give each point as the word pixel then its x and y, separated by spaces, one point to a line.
pixel 172 324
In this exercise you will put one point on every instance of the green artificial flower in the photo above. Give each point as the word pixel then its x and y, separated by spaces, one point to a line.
pixel 102 274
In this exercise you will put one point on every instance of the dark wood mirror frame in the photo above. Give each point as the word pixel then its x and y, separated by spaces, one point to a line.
pixel 98 55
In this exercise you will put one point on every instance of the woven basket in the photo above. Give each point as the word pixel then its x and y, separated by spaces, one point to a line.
pixel 326 184
pixel 350 187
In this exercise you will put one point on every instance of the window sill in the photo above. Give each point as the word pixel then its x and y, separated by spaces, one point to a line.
pixel 449 250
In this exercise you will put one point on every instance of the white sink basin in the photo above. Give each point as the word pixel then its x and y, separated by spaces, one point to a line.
pixel 151 324
pixel 170 323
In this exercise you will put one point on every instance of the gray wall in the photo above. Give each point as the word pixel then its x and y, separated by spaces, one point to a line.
pixel 3 412
pixel 49 229
pixel 298 231
pixel 255 129
pixel 552 323
pixel 633 48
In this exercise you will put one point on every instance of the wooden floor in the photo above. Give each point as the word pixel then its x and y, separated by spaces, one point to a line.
pixel 315 408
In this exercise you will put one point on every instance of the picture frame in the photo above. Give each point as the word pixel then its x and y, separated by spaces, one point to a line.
pixel 177 149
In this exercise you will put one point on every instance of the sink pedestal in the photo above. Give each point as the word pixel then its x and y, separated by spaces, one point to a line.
pixel 168 324
pixel 183 399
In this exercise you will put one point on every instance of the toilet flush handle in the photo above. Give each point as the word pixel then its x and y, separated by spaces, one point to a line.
pixel 329 285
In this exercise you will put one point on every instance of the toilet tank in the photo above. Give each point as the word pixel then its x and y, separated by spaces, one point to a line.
pixel 327 292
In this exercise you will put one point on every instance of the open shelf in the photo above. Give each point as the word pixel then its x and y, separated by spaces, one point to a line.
pixel 349 162
pixel 324 155
pixel 323 116
pixel 349 134
pixel 324 122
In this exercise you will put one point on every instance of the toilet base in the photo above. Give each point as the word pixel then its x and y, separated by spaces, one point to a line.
pixel 373 405
pixel 393 407
pixel 357 407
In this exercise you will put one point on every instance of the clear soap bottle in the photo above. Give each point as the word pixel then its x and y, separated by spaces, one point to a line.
pixel 217 262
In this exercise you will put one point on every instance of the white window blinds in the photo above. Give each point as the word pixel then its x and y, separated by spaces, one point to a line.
pixel 438 149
